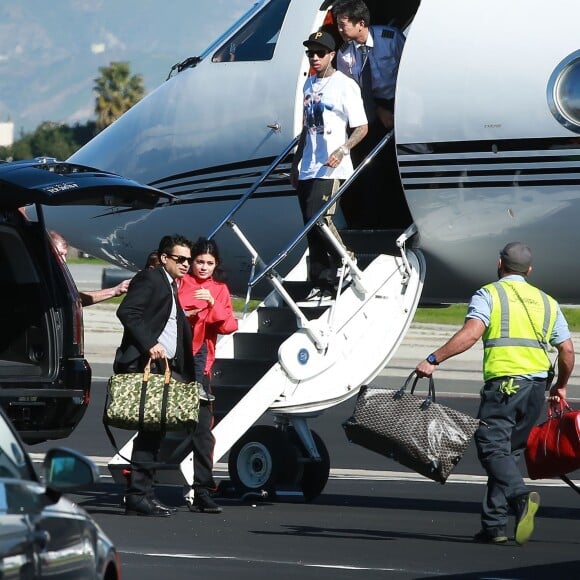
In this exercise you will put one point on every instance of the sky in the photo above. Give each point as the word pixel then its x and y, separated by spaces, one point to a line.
pixel 48 63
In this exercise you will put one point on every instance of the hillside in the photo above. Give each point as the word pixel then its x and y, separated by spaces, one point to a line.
pixel 50 52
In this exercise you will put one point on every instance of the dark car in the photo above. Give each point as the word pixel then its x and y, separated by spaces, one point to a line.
pixel 42 533
pixel 44 378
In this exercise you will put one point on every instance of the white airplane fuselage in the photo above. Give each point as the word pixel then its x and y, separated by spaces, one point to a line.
pixel 487 139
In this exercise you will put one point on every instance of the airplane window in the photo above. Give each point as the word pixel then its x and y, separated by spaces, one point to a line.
pixel 564 92
pixel 256 40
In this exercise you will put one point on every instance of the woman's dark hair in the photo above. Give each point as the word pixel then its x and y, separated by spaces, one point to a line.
pixel 205 246
pixel 152 260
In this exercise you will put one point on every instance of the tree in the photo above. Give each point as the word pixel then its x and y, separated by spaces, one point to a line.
pixel 117 91
pixel 50 140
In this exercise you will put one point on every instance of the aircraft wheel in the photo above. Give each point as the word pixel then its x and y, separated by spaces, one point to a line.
pixel 314 473
pixel 262 458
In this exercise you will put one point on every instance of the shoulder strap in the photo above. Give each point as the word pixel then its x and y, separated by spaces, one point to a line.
pixel 536 333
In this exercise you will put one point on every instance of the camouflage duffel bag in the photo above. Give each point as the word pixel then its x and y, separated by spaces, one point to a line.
pixel 151 402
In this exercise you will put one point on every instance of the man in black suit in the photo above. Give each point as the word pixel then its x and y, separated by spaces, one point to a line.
pixel 154 327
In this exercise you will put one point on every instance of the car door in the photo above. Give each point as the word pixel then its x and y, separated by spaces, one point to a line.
pixel 41 340
pixel 38 537
pixel 18 550
pixel 51 182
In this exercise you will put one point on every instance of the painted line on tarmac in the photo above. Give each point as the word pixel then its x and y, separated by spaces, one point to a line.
pixel 299 564
pixel 344 474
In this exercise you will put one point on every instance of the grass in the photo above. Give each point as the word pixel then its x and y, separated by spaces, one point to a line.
pixel 455 314
pixel 90 261
pixel 452 314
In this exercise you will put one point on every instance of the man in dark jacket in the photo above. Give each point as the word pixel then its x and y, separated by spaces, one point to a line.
pixel 154 327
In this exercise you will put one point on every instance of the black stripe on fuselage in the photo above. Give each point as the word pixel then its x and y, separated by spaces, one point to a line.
pixel 471 151
pixel 252 164
pixel 488 146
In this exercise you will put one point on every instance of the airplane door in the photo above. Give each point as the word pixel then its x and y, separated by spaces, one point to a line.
pixel 479 70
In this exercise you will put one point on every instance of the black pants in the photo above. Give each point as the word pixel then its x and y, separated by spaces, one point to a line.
pixel 203 445
pixel 500 441
pixel 146 450
pixel 203 441
pixel 324 259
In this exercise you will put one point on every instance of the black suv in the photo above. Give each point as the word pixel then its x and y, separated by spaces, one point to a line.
pixel 44 378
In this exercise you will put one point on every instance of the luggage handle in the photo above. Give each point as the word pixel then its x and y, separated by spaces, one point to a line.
pixel 147 371
pixel 430 398
pixel 557 409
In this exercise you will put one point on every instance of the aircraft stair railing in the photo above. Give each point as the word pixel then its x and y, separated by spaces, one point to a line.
pixel 318 221
pixel 277 282
pixel 228 218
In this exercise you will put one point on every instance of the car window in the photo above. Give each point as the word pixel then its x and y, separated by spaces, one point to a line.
pixel 20 498
pixel 13 462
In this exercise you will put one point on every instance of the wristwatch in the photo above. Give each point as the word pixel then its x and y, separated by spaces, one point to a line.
pixel 344 150
pixel 431 359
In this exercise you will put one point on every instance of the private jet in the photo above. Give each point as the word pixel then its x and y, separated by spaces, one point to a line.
pixel 485 150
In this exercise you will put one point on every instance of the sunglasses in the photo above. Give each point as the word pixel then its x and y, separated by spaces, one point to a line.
pixel 180 259
pixel 318 53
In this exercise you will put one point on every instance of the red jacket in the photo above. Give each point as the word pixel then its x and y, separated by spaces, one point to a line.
pixel 210 320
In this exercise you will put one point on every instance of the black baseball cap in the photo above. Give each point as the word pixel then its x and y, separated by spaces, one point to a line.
pixel 321 38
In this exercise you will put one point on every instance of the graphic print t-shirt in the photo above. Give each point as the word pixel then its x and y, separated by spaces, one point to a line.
pixel 330 104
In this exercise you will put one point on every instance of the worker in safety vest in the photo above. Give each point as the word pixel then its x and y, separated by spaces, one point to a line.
pixel 517 323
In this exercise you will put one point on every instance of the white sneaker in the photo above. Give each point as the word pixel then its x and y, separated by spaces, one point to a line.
pixel 319 295
pixel 314 294
pixel 205 396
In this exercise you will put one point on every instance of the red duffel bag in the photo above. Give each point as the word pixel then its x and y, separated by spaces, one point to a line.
pixel 553 447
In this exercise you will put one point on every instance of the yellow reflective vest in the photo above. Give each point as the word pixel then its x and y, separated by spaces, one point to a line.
pixel 520 326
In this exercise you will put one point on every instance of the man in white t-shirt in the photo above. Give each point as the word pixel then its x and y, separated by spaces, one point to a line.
pixel 332 101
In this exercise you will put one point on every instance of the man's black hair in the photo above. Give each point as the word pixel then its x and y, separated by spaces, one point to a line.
pixel 167 243
pixel 354 10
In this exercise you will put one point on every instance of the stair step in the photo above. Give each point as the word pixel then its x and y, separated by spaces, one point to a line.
pixel 258 346
pixel 280 319
pixel 226 398
pixel 230 372
pixel 276 319
pixel 371 242
pixel 298 290
pixel 232 379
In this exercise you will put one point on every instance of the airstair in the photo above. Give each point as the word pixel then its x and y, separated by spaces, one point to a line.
pixel 294 358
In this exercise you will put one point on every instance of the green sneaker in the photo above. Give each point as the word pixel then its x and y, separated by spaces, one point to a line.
pixel 525 507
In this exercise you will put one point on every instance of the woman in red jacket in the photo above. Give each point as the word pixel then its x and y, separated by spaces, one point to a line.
pixel 208 307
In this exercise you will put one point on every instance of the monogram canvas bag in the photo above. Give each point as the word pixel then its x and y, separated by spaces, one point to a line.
pixel 417 432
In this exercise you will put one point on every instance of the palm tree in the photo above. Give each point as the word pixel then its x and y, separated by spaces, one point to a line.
pixel 117 91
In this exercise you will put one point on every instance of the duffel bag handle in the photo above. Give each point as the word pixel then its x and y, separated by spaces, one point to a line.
pixel 147 371
pixel 557 409
pixel 431 389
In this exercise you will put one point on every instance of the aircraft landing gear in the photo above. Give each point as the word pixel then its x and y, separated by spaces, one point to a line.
pixel 261 459
pixel 314 473
pixel 272 460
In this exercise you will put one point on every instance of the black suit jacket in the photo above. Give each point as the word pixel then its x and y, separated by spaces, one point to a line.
pixel 144 313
